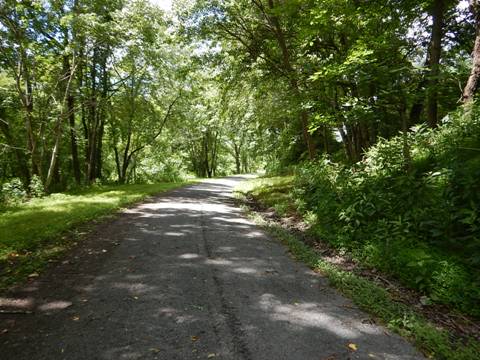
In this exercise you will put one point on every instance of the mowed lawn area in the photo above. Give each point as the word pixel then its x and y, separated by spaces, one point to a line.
pixel 32 233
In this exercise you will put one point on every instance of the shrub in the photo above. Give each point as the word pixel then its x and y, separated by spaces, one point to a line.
pixel 423 224
pixel 36 188
pixel 13 192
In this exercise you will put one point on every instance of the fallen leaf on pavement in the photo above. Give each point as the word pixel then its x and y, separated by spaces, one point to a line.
pixel 352 346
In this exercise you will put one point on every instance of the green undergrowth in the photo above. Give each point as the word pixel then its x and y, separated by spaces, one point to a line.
pixel 434 342
pixel 415 218
pixel 33 233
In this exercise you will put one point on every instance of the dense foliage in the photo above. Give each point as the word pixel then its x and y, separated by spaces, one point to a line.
pixel 423 225
pixel 104 91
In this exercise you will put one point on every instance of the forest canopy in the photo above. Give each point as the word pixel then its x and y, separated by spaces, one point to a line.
pixel 122 91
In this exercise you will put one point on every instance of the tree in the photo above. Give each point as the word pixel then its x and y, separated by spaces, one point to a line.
pixel 473 80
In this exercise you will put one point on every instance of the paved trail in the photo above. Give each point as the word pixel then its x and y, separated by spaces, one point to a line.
pixel 186 276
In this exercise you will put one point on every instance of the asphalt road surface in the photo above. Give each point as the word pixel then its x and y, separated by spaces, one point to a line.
pixel 186 276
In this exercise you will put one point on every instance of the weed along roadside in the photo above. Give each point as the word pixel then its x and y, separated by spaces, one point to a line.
pixel 439 331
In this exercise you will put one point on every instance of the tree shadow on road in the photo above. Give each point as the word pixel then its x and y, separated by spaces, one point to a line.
pixel 186 276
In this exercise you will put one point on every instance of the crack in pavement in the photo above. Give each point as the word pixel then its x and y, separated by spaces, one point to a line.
pixel 234 324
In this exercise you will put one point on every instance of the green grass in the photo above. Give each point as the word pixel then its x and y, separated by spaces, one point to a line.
pixel 436 343
pixel 273 192
pixel 31 233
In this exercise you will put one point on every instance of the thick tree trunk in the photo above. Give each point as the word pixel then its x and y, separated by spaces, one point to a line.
pixel 438 13
pixel 473 80
pixel 417 109
pixel 245 163
pixel 356 139
pixel 236 150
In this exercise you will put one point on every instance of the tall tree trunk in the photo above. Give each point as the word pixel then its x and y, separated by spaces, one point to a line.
pixel 245 165
pixel 356 139
pixel 99 150
pixel 71 105
pixel 432 62
pixel 117 163
pixel 473 80
pixel 66 77
pixel 438 14
pixel 73 140
pixel 32 144
pixel 236 150
pixel 214 154
pixel 102 113
pixel 55 151
pixel 126 159
pixel 71 118
pixel 293 78
pixel 21 68
pixel 206 161
pixel 83 106
pixel 26 95
pixel 325 139
pixel 92 121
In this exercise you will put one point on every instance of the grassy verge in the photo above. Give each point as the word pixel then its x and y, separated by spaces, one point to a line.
pixel 31 234
pixel 272 191
pixel 435 342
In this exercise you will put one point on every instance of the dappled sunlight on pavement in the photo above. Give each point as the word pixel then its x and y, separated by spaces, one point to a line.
pixel 186 276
